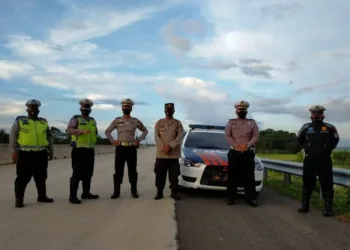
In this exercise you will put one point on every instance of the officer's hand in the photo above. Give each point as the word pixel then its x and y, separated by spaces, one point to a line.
pixel 166 149
pixel 50 156
pixel 14 157
pixel 86 132
pixel 242 148
pixel 136 143
pixel 116 143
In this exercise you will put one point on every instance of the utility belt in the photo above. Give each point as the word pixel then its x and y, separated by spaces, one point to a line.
pixel 251 148
pixel 127 144
pixel 32 148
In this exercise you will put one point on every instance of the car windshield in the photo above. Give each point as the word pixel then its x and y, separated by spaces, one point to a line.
pixel 206 140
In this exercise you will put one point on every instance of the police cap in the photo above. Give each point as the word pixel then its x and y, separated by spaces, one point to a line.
pixel 169 105
pixel 86 103
pixel 127 102
pixel 33 102
pixel 242 105
pixel 317 108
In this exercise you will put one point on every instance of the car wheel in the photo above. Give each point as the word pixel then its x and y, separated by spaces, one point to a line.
pixel 256 195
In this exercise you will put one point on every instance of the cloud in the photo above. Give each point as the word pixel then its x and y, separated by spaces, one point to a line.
pixel 172 30
pixel 85 24
pixel 10 69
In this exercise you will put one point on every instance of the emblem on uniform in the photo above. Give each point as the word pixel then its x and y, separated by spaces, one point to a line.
pixel 324 128
pixel 310 130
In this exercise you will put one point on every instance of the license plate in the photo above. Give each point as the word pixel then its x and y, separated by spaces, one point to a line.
pixel 219 177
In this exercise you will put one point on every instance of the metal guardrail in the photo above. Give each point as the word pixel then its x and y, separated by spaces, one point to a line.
pixel 288 168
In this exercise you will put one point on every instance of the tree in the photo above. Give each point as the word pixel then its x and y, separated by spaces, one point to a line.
pixel 4 136
pixel 59 136
pixel 277 141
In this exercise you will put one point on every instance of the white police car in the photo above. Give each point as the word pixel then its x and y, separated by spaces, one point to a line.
pixel 204 158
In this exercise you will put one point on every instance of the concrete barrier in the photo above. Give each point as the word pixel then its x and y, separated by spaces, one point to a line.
pixel 60 151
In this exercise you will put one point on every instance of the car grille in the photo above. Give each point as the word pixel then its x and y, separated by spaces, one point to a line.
pixel 208 175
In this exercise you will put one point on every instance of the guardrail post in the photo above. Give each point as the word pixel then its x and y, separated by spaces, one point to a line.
pixel 287 178
pixel 265 173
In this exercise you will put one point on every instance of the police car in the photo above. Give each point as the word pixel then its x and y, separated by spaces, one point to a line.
pixel 203 161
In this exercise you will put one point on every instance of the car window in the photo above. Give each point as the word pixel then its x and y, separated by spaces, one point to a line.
pixel 207 140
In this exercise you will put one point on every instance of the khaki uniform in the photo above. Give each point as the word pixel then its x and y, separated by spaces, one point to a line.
pixel 242 131
pixel 241 165
pixel 125 150
pixel 168 131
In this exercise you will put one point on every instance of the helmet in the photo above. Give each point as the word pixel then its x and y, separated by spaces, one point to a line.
pixel 86 103
pixel 33 102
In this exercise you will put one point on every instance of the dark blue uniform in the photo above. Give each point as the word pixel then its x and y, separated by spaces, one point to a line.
pixel 318 139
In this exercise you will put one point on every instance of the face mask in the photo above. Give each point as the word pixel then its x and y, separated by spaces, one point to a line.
pixel 317 119
pixel 169 113
pixel 85 111
pixel 242 114
pixel 126 111
pixel 33 113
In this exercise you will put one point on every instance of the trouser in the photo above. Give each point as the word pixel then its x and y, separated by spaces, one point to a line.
pixel 322 167
pixel 241 171
pixel 129 155
pixel 83 162
pixel 162 167
pixel 31 163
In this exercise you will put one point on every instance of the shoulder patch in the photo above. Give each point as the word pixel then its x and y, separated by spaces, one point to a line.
pixel 329 125
pixel 117 117
pixel 251 120
pixel 42 119
pixel 305 126
pixel 21 117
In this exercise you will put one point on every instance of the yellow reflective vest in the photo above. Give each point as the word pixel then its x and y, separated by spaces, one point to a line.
pixel 87 140
pixel 32 134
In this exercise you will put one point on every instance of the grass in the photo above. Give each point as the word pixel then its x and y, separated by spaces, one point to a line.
pixel 341 195
pixel 291 157
pixel 275 181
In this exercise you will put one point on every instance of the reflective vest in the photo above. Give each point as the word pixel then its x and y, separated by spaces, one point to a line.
pixel 87 140
pixel 32 134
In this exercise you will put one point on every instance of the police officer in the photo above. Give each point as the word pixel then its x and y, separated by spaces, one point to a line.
pixel 318 139
pixel 168 136
pixel 126 147
pixel 32 147
pixel 83 131
pixel 242 135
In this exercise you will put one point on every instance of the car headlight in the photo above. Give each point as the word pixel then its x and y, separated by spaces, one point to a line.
pixel 189 163
pixel 259 167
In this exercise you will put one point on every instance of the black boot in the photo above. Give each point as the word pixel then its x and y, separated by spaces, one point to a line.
pixel 41 187
pixel 134 192
pixel 159 194
pixel 328 204
pixel 230 201
pixel 133 183
pixel 116 184
pixel 305 201
pixel 86 190
pixel 19 194
pixel 73 189
pixel 175 195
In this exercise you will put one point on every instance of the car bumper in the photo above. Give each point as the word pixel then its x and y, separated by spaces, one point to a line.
pixel 192 177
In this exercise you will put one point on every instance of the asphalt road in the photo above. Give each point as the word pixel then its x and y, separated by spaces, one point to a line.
pixel 125 223
pixel 204 222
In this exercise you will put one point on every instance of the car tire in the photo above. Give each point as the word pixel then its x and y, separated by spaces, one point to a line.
pixel 256 195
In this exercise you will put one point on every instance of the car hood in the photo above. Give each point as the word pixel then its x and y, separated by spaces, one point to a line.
pixel 211 157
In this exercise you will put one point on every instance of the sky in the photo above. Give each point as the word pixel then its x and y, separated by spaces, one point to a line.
pixel 204 56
